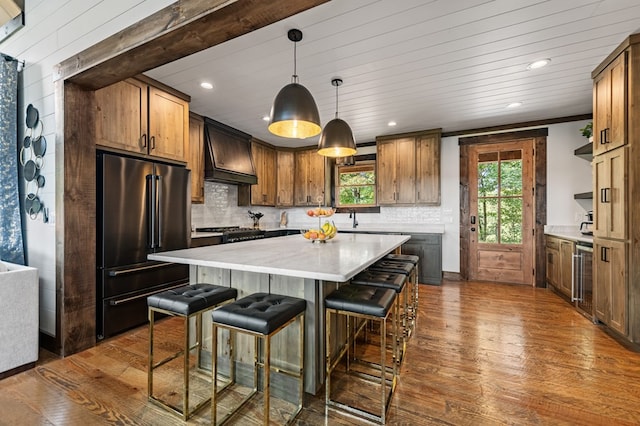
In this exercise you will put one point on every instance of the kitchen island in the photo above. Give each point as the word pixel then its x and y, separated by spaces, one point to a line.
pixel 289 266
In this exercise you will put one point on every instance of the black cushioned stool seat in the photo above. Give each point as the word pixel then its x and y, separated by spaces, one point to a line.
pixel 261 315
pixel 368 303
pixel 188 302
pixel 391 266
pixel 396 257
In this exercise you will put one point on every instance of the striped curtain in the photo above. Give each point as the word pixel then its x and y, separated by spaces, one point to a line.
pixel 11 243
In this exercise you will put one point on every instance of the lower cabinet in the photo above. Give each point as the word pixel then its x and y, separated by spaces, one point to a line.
pixel 559 257
pixel 429 248
pixel 610 283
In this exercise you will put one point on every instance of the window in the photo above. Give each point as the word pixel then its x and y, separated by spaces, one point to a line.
pixel 356 185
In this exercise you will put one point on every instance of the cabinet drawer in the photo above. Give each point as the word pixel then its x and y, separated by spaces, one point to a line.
pixel 426 238
pixel 552 243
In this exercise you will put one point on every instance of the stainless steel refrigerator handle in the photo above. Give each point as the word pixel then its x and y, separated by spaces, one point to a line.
pixel 151 184
pixel 140 296
pixel 138 269
pixel 159 209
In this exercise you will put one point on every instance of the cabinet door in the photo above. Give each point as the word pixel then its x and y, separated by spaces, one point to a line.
pixel 610 283
pixel 168 125
pixel 428 247
pixel 428 170
pixel 121 116
pixel 269 168
pixel 386 172
pixel 301 179
pixel 196 158
pixel 552 251
pixel 616 255
pixel 316 177
pixel 405 171
pixel 566 266
pixel 609 173
pixel 259 190
pixel 284 179
pixel 610 88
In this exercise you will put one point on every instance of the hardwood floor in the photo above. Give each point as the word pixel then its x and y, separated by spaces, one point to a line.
pixel 482 354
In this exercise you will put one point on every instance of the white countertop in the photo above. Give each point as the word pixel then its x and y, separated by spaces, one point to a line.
pixel 568 233
pixel 336 260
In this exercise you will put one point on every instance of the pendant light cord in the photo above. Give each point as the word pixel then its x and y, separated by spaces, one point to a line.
pixel 294 77
pixel 337 85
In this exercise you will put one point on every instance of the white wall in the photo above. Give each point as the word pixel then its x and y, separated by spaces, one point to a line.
pixel 56 30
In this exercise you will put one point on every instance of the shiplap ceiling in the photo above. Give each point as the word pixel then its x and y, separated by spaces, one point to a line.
pixel 454 64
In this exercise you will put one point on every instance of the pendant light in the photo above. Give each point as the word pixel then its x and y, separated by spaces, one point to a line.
pixel 336 139
pixel 294 113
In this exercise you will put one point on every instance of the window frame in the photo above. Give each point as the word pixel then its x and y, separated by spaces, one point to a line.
pixel 368 165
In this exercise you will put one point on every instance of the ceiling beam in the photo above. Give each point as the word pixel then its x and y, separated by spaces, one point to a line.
pixel 179 30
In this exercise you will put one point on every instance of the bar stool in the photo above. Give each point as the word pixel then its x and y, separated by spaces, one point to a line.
pixel 187 302
pixel 395 282
pixel 407 269
pixel 260 315
pixel 414 260
pixel 372 304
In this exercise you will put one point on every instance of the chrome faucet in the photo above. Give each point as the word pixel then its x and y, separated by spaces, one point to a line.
pixel 352 214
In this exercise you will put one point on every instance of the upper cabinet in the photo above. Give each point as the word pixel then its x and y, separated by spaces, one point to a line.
pixel 264 192
pixel 196 157
pixel 408 168
pixel 609 99
pixel 309 180
pixel 137 117
pixel 284 178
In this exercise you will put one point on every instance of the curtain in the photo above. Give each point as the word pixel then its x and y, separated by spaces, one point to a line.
pixel 11 243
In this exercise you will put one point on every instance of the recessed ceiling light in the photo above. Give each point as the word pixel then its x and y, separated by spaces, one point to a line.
pixel 206 85
pixel 266 118
pixel 391 123
pixel 538 64
pixel 514 105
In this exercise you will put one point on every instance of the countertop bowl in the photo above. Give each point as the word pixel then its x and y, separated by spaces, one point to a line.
pixel 314 235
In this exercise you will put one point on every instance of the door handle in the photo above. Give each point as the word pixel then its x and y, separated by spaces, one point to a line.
pixel 473 220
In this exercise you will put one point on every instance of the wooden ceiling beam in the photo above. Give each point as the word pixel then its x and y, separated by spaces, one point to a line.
pixel 179 30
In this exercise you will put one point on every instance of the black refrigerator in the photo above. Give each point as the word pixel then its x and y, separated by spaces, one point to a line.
pixel 142 208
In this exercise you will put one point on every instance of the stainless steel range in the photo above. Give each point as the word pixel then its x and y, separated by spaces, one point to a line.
pixel 233 234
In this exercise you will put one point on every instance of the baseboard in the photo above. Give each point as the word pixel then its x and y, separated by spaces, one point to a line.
pixel 17 370
pixel 452 276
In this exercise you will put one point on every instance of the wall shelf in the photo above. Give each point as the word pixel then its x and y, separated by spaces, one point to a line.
pixel 583 196
pixel 585 151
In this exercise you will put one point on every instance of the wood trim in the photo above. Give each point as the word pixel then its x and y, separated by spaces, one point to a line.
pixel 178 30
pixel 451 276
pixel 521 125
pixel 76 213
pixel 158 85
pixel 503 137
pixel 632 39
pixel 16 370
pixel 540 200
pixel 428 132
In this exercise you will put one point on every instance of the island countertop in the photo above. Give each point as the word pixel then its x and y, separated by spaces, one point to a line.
pixel 337 260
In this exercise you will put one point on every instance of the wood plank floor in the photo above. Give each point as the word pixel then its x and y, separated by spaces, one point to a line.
pixel 483 354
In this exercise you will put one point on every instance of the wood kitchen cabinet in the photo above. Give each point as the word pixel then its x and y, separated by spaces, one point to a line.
pixel 616 179
pixel 408 168
pixel 559 263
pixel 609 98
pixel 262 193
pixel 138 117
pixel 610 293
pixel 609 175
pixel 284 178
pixel 309 180
pixel 196 157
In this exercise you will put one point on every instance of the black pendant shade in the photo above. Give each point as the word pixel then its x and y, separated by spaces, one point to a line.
pixel 336 139
pixel 294 113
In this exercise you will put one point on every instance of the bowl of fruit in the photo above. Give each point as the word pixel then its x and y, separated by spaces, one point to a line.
pixel 326 232
pixel 320 212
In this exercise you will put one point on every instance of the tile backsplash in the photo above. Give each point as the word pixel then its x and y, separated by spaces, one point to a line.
pixel 221 209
